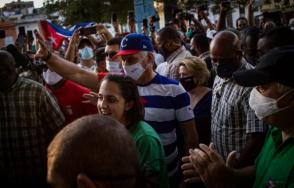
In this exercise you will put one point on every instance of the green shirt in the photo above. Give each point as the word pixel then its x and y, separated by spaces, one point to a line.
pixel 152 160
pixel 275 163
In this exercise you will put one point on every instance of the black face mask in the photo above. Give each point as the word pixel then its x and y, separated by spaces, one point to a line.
pixel 188 83
pixel 226 70
pixel 194 52
pixel 164 52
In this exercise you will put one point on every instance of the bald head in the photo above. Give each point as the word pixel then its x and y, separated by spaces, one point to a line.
pixel 97 146
pixel 225 52
pixel 227 41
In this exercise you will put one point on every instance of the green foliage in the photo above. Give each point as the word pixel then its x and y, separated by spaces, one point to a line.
pixel 76 11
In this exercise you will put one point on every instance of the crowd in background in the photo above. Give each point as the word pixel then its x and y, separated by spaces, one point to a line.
pixel 187 105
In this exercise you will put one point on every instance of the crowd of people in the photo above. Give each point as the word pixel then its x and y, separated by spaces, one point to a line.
pixel 185 106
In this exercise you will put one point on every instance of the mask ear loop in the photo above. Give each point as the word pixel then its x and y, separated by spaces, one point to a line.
pixel 148 64
pixel 284 100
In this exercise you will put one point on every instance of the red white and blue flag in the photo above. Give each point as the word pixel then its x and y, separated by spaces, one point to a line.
pixel 55 34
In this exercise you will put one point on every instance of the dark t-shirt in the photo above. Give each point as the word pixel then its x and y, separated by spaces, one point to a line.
pixel 203 118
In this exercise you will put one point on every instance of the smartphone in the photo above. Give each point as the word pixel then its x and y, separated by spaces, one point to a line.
pixel 2 34
pixel 131 16
pixel 226 4
pixel 88 30
pixel 114 17
pixel 22 31
pixel 30 35
pixel 145 23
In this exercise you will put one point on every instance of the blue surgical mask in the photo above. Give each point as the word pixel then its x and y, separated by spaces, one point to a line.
pixel 113 66
pixel 86 53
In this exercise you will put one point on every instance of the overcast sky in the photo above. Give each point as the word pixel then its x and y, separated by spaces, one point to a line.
pixel 37 3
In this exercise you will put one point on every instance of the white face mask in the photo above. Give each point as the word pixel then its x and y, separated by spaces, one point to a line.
pixel 113 66
pixel 51 78
pixel 134 71
pixel 86 53
pixel 263 106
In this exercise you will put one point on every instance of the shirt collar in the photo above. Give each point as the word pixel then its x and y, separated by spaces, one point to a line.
pixel 204 54
pixel 172 56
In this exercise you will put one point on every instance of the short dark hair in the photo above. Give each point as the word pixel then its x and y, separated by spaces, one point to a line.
pixel 201 41
pixel 169 33
pixel 114 41
pixel 129 92
pixel 241 18
pixel 98 146
pixel 85 41
pixel 7 57
pixel 254 32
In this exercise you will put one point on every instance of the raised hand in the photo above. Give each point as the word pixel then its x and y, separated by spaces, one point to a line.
pixel 101 28
pixel 91 98
pixel 251 2
pixel 43 50
pixel 225 6
pixel 76 35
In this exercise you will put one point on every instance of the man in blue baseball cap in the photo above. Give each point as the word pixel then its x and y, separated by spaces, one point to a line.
pixel 134 48
pixel 166 103
pixel 134 43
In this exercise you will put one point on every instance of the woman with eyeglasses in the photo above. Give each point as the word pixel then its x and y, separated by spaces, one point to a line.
pixel 194 77
pixel 118 97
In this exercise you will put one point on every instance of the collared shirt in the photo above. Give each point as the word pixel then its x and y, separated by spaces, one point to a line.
pixel 204 55
pixel 29 118
pixel 275 164
pixel 231 117
pixel 170 67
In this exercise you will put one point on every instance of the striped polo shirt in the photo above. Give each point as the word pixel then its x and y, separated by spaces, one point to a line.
pixel 166 104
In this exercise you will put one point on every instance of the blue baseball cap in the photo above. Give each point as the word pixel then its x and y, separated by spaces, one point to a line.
pixel 134 43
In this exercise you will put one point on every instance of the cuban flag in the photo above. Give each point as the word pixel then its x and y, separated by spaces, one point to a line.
pixel 55 34
pixel 81 25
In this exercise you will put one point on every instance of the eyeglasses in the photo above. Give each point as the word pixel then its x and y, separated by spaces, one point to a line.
pixel 110 54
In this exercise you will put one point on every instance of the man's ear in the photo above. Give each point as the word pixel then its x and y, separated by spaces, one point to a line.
pixel 83 181
pixel 239 55
pixel 151 57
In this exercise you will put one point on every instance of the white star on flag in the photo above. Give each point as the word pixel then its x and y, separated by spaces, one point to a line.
pixel 52 40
